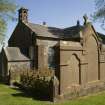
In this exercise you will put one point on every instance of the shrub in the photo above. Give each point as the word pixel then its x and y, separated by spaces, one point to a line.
pixel 37 82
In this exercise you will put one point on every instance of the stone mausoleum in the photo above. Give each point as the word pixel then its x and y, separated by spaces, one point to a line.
pixel 76 54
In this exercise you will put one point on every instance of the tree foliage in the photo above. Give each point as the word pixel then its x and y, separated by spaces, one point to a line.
pixel 7 10
pixel 99 14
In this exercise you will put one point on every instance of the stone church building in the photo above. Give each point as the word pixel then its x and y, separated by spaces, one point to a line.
pixel 76 54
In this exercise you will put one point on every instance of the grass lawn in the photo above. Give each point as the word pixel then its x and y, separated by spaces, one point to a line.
pixel 9 96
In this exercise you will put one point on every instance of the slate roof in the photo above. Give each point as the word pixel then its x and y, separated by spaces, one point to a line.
pixel 102 36
pixel 44 31
pixel 72 32
pixel 53 32
pixel 14 54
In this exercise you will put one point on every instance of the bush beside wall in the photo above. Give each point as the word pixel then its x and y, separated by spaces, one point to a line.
pixel 37 82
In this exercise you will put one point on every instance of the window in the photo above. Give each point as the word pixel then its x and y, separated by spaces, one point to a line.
pixel 51 60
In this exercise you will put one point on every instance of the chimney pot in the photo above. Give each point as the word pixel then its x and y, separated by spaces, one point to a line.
pixel 44 23
pixel 78 23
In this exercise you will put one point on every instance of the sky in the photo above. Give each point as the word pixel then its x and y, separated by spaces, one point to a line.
pixel 56 13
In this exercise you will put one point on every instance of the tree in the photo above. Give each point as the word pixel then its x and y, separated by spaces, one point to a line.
pixel 99 14
pixel 7 10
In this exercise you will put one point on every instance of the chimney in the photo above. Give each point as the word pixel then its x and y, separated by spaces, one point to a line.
pixel 44 23
pixel 78 23
pixel 23 15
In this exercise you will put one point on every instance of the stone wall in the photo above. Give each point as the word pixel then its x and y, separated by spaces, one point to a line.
pixel 82 66
pixel 70 68
pixel 15 69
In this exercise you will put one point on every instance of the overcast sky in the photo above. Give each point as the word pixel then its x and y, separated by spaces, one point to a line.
pixel 57 13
